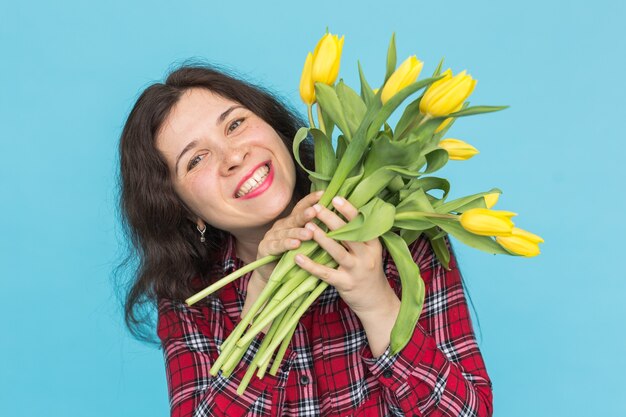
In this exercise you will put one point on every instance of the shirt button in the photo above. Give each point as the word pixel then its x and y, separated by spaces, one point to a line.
pixel 387 373
pixel 304 380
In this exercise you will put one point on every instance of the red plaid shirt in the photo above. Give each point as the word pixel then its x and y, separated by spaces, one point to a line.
pixel 328 369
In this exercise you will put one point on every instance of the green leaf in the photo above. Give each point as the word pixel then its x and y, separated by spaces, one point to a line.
pixel 375 182
pixel 410 206
pixel 328 100
pixel 374 219
pixel 413 291
pixel 425 132
pixel 317 184
pixel 342 144
pixel 329 125
pixel 465 203
pixel 384 150
pixel 434 183
pixel 409 119
pixel 438 69
pixel 325 162
pixel 483 243
pixel 397 183
pixel 416 201
pixel 435 159
pixel 410 236
pixel 391 58
pixel 300 136
pixel 351 182
pixel 354 108
pixel 470 111
pixel 437 241
pixel 367 94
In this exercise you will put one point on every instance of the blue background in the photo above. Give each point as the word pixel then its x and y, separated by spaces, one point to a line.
pixel 551 327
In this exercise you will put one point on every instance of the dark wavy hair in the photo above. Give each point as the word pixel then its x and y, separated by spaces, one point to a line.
pixel 165 253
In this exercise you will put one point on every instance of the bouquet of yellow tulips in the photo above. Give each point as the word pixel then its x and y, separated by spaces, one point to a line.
pixel 385 172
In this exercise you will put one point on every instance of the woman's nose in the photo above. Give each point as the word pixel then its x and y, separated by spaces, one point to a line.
pixel 233 159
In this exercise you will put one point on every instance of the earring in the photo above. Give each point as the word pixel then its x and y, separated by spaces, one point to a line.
pixel 202 239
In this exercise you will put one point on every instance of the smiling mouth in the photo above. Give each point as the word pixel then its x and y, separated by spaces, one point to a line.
pixel 255 181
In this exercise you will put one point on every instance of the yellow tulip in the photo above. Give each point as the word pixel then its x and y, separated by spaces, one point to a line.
pixel 521 242
pixel 457 149
pixel 447 95
pixel 307 88
pixel 376 90
pixel 403 76
pixel 326 58
pixel 487 222
pixel 445 123
pixel 491 199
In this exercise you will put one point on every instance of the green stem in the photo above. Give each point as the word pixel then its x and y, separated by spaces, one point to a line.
pixel 253 366
pixel 320 118
pixel 296 317
pixel 227 348
pixel 283 347
pixel 411 215
pixel 410 126
pixel 426 118
pixel 310 112
pixel 320 256
pixel 230 278
pixel 307 286
pixel 234 358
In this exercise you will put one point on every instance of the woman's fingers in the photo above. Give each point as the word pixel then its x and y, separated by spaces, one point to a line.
pixel 323 272
pixel 334 222
pixel 329 218
pixel 308 200
pixel 295 233
pixel 334 248
pixel 301 213
pixel 344 207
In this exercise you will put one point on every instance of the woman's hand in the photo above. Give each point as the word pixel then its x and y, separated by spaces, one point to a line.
pixel 287 233
pixel 359 278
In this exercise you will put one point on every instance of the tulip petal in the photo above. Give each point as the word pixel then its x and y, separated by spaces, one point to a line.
pixel 491 199
pixel 527 235
pixel 487 222
pixel 518 245
pixel 307 88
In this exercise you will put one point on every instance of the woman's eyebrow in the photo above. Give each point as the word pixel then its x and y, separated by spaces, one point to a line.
pixel 187 148
pixel 224 115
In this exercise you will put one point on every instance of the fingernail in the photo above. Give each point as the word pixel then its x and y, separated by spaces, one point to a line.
pixel 337 201
pixel 310 227
pixel 317 207
pixel 319 192
pixel 299 258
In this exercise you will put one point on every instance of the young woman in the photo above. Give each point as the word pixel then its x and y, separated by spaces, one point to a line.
pixel 209 184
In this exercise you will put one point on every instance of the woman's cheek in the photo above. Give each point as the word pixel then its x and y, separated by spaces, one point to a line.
pixel 202 188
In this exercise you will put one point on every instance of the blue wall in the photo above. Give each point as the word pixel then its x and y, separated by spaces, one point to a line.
pixel 551 327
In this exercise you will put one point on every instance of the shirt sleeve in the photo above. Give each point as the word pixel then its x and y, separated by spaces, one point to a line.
pixel 440 372
pixel 189 338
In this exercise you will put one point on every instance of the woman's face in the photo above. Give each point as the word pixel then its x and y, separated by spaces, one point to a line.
pixel 213 146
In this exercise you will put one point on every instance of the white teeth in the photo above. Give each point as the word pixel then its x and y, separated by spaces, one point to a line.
pixel 254 181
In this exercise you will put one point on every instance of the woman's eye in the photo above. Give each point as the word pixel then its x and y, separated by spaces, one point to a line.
pixel 236 123
pixel 193 162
